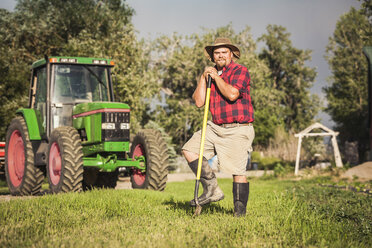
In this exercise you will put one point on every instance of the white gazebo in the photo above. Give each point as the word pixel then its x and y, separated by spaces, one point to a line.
pixel 307 133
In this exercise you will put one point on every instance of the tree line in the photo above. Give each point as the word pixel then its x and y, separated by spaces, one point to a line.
pixel 347 91
pixel 168 67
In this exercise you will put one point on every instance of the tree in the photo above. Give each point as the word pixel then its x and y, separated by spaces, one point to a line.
pixel 347 94
pixel 73 28
pixel 291 77
pixel 134 79
pixel 14 71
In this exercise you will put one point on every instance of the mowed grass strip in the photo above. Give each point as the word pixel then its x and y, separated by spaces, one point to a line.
pixel 280 213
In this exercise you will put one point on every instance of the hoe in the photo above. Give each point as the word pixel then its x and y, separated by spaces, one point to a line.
pixel 198 208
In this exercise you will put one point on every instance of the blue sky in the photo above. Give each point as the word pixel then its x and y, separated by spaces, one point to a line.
pixel 310 22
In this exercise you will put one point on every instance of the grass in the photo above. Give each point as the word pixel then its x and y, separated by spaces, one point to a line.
pixel 280 213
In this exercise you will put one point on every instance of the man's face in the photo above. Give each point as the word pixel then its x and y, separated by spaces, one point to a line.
pixel 222 56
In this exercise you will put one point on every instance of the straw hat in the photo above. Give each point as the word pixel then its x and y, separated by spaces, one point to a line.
pixel 221 42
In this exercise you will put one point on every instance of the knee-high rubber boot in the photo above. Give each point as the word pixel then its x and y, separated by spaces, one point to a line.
pixel 240 194
pixel 211 191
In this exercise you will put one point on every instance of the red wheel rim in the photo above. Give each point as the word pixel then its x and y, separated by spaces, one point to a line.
pixel 139 177
pixel 16 158
pixel 55 164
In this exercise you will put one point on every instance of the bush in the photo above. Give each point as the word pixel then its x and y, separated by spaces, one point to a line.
pixel 269 163
pixel 255 156
pixel 282 170
pixel 279 170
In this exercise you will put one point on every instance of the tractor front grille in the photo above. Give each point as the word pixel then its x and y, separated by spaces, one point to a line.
pixel 115 126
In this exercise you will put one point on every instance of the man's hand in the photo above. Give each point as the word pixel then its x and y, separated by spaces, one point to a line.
pixel 210 71
pixel 200 91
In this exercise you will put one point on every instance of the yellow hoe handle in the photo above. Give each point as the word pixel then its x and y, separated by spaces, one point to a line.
pixel 205 119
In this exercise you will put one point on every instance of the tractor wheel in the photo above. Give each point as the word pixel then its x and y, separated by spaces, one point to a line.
pixel 107 180
pixel 65 161
pixel 22 176
pixel 149 145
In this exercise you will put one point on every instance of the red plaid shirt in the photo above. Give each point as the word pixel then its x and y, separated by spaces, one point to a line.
pixel 241 110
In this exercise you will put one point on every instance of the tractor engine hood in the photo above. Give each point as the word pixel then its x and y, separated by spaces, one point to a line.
pixel 99 122
pixel 84 109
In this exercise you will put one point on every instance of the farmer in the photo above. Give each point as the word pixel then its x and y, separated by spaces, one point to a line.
pixel 230 133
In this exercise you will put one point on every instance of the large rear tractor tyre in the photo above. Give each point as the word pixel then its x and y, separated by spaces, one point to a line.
pixel 22 176
pixel 65 161
pixel 150 145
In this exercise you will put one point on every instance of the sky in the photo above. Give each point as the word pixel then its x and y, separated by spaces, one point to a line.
pixel 310 23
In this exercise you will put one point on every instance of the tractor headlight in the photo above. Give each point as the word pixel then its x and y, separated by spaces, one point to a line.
pixel 108 125
pixel 124 126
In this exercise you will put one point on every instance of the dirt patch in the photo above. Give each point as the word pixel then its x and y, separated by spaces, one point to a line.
pixel 361 172
pixel 9 197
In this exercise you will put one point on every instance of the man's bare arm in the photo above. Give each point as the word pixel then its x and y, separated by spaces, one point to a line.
pixel 200 92
pixel 227 90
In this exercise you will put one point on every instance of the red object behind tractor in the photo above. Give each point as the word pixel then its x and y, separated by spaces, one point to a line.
pixel 2 159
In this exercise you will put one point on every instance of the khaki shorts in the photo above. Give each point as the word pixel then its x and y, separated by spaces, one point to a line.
pixel 231 145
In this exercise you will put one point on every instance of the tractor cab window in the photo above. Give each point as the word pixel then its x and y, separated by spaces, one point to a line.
pixel 74 84
pixel 80 83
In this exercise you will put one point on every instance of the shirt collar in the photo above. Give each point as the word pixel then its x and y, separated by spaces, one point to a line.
pixel 227 68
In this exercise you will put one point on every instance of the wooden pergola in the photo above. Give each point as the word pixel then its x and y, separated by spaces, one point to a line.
pixel 307 133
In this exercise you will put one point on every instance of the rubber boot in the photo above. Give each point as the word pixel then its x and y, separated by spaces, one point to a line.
pixel 211 191
pixel 240 194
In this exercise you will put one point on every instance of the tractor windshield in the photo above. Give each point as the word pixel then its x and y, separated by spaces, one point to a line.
pixel 73 84
pixel 80 83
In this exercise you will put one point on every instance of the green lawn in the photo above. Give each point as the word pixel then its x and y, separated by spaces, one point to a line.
pixel 280 213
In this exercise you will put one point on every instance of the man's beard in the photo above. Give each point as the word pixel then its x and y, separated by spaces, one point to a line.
pixel 221 63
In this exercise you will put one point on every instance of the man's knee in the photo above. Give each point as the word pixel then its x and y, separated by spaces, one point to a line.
pixel 184 153
pixel 189 156
pixel 239 179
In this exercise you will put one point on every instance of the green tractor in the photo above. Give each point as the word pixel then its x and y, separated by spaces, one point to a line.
pixel 75 134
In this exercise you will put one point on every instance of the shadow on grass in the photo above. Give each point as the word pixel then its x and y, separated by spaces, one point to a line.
pixel 185 206
pixel 6 192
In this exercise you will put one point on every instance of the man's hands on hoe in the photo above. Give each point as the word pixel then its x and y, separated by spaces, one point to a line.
pixel 210 71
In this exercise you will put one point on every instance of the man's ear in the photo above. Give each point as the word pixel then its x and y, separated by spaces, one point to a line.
pixel 231 53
